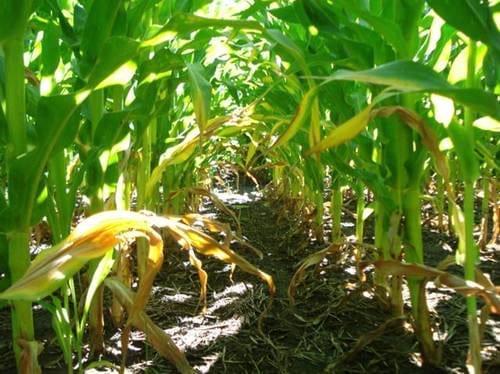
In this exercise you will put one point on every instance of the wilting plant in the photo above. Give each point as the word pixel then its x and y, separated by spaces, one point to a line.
pixel 98 235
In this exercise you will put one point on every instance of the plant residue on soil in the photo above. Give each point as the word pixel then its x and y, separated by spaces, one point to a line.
pixel 336 324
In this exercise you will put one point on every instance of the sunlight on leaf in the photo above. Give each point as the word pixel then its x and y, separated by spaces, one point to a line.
pixel 120 76
pixel 444 109
pixel 487 124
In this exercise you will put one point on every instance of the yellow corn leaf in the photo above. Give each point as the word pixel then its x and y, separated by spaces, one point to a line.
pixel 314 130
pixel 190 237
pixel 207 246
pixel 204 244
pixel 214 123
pixel 484 281
pixel 490 294
pixel 302 114
pixel 91 239
pixel 182 151
pixel 124 274
pixel 203 276
pixel 252 148
pixel 353 126
pixel 218 227
pixel 219 205
pixel 158 338
pixel 173 155
pixel 343 132
pixel 29 356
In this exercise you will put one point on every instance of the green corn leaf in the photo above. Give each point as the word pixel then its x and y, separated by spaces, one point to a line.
pixel 51 112
pixel 291 13
pixel 185 23
pixel 4 130
pixel 491 69
pixel 288 48
pixel 409 76
pixel 101 272
pixel 472 17
pixel 136 13
pixel 56 123
pixel 61 324
pixel 115 65
pixel 160 66
pixel 463 141
pixel 98 28
pixel 111 129
pixel 389 30
pixel 369 175
pixel 50 49
pixel 200 94
pixel 54 114
pixel 402 75
pixel 59 200
pixel 13 17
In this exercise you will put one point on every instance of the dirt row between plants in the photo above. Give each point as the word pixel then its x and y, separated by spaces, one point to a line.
pixel 334 312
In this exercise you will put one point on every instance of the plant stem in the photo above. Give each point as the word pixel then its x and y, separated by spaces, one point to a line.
pixel 96 105
pixel 95 318
pixel 440 202
pixel 485 210
pixel 318 227
pixel 360 208
pixel 15 96
pixel 143 174
pixel 336 211
pixel 420 310
pixel 19 255
pixel 496 211
pixel 471 253
pixel 470 268
pixel 22 315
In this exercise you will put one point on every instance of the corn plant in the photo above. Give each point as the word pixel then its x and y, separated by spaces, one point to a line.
pixel 394 28
pixel 113 106
pixel 92 239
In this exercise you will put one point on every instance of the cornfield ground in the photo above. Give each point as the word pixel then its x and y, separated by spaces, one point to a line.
pixel 333 312
pixel 289 186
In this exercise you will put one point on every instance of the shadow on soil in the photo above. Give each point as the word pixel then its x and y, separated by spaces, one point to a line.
pixel 333 310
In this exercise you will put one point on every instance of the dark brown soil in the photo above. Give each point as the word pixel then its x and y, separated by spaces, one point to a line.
pixel 333 311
